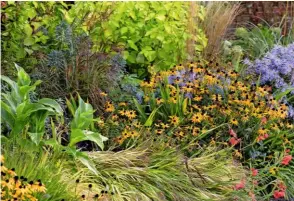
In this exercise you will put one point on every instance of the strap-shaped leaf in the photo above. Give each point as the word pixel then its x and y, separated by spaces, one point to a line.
pixel 140 109
pixel 149 121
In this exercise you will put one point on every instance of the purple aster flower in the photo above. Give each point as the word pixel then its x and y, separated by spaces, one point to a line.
pixel 276 67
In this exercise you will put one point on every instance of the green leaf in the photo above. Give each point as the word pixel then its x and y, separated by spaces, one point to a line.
pixel 282 94
pixel 7 115
pixel 44 38
pixel 29 41
pixel 149 121
pixel 31 12
pixel 53 143
pixel 28 30
pixel 22 77
pixel 124 30
pixel 150 55
pixel 160 17
pixel 29 51
pixel 95 137
pixel 140 58
pixel 185 103
pixel 132 45
pixel 132 57
pixel 36 137
pixel 76 136
pixel 168 28
pixel 53 104
pixel 87 162
pixel 140 109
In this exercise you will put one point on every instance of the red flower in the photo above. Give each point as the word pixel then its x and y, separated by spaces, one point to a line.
pixel 234 141
pixel 232 133
pixel 279 194
pixel 254 171
pixel 240 185
pixel 286 160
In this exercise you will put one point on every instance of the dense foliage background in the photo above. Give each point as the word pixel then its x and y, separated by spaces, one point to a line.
pixel 144 101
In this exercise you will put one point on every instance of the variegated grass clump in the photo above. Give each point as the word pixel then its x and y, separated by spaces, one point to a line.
pixel 152 172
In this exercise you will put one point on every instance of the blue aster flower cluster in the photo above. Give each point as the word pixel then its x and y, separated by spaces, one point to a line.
pixel 275 68
pixel 185 76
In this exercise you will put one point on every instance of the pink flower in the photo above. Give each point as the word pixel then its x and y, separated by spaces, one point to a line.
pixel 286 160
pixel 279 194
pixel 263 120
pixel 240 185
pixel 234 141
pixel 252 195
pixel 254 172
pixel 266 135
pixel 255 182
pixel 232 133
pixel 282 186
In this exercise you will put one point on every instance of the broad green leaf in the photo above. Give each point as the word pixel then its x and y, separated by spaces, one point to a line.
pixel 150 55
pixel 36 137
pixel 31 13
pixel 7 115
pixel 124 30
pixel 160 17
pixel 168 28
pixel 95 137
pixel 29 51
pixel 28 30
pixel 132 45
pixel 76 135
pixel 44 39
pixel 23 77
pixel 53 104
pixel 53 143
pixel 29 41
pixel 132 57
pixel 140 58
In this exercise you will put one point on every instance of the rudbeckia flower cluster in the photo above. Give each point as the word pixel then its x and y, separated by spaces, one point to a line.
pixel 14 187
pixel 193 98
pixel 210 95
